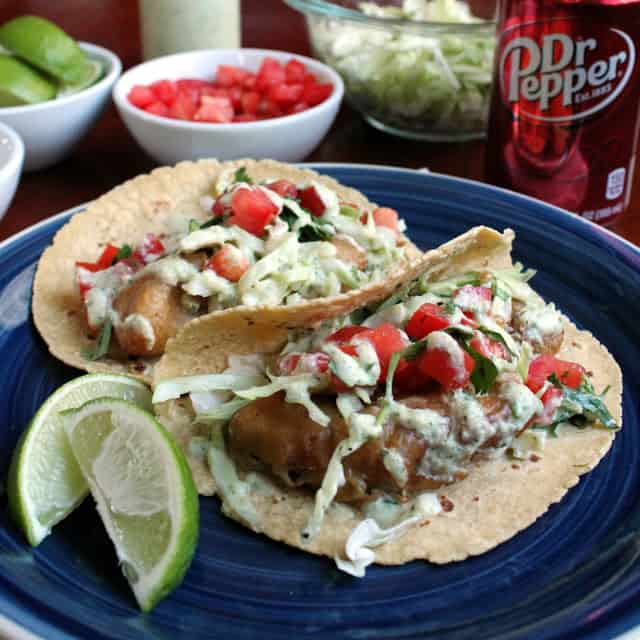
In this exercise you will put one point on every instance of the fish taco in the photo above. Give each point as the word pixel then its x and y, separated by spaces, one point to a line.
pixel 433 421
pixel 151 255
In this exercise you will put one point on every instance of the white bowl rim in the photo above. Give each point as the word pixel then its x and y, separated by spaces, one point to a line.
pixel 115 68
pixel 122 103
pixel 17 155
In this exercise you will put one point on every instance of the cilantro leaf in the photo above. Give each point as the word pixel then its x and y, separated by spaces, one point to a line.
pixel 581 405
pixel 241 175
pixel 194 225
pixel 101 346
pixel 124 252
pixel 484 373
pixel 315 230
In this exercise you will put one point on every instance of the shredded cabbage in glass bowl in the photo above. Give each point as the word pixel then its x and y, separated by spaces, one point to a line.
pixel 420 69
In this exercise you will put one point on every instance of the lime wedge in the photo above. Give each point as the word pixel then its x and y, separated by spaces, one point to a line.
pixel 92 71
pixel 144 492
pixel 20 84
pixel 45 483
pixel 44 45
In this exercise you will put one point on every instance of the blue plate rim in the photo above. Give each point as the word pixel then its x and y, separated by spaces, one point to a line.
pixel 629 626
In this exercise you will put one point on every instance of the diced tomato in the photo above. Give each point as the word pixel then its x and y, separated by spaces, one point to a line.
pixel 218 209
pixel 409 378
pixel 438 364
pixel 306 363
pixel 158 109
pixel 345 334
pixel 150 249
pixel 386 340
pixel 471 298
pixel 283 188
pixel 235 95
pixel 229 262
pixel 107 257
pixel 298 107
pixel 252 210
pixel 487 347
pixel 426 318
pixel 269 109
pixel 191 84
pixel 214 110
pixel 316 93
pixel 88 266
pixel 551 400
pixel 286 94
pixel 311 200
pixel 184 106
pixel 309 79
pixel 250 101
pixel 226 75
pixel 468 319
pixel 141 96
pixel 249 82
pixel 165 91
pixel 541 367
pixel 215 92
pixel 245 117
pixel 294 71
pixel 271 73
pixel 388 218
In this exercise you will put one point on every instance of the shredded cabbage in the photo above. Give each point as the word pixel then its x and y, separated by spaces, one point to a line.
pixel 176 387
pixel 438 83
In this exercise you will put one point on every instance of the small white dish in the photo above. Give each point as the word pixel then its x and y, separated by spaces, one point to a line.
pixel 51 129
pixel 11 161
pixel 288 138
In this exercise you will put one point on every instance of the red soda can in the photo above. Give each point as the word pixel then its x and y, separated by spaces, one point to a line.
pixel 566 103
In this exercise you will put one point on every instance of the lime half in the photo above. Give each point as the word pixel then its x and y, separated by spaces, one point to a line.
pixel 44 45
pixel 45 483
pixel 92 71
pixel 20 84
pixel 144 492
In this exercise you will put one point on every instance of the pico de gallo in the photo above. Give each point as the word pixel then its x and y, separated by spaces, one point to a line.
pixel 380 409
pixel 277 242
pixel 235 94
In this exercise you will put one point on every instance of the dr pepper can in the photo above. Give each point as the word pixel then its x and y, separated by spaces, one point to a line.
pixel 566 98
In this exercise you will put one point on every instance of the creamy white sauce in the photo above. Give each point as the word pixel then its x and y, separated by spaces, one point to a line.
pixel 140 325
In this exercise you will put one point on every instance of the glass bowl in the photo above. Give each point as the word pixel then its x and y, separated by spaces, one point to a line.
pixel 413 78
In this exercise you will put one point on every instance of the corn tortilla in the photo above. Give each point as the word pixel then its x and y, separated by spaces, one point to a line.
pixel 124 215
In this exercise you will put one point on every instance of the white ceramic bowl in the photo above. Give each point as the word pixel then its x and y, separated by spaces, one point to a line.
pixel 289 138
pixel 50 129
pixel 11 159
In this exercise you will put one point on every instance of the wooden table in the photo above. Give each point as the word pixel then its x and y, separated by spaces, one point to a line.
pixel 108 155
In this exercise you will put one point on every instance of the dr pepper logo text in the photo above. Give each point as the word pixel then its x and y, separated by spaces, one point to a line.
pixel 558 71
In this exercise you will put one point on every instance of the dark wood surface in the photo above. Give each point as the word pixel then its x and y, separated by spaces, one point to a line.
pixel 108 155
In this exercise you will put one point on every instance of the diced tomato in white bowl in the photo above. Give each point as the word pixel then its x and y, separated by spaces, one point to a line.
pixel 195 105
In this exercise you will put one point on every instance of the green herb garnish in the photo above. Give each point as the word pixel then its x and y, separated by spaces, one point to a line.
pixel 484 373
pixel 314 230
pixel 101 345
pixel 241 175
pixel 581 405
pixel 124 252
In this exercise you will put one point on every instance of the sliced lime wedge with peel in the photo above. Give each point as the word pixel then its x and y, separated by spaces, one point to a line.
pixel 20 84
pixel 92 71
pixel 143 489
pixel 45 46
pixel 45 483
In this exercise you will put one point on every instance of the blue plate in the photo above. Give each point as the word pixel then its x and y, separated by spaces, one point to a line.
pixel 575 573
